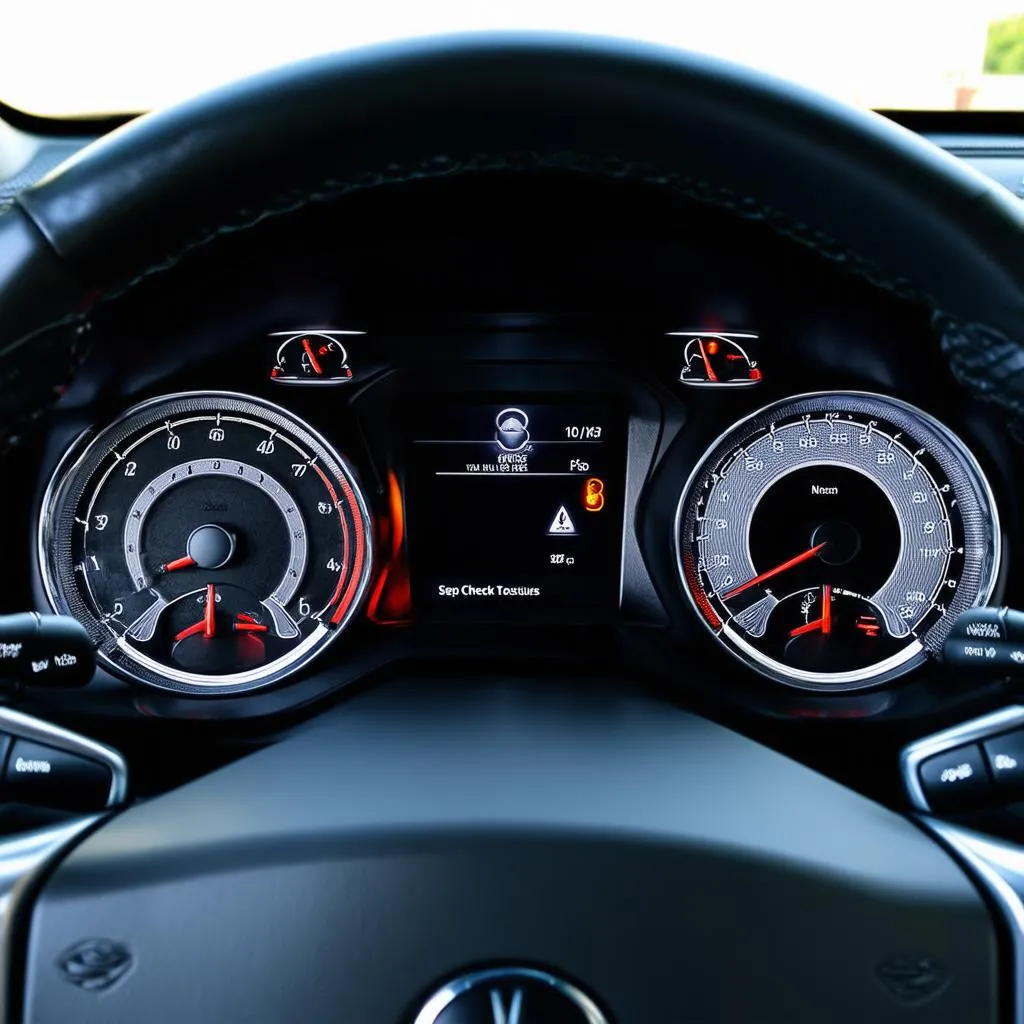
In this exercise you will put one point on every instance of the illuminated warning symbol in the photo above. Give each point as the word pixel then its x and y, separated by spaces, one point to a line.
pixel 562 525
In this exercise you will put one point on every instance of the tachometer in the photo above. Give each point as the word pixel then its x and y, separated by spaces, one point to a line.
pixel 831 540
pixel 210 543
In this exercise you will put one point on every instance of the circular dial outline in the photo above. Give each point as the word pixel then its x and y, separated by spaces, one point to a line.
pixel 80 477
pixel 932 441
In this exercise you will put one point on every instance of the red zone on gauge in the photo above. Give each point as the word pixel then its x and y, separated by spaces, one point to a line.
pixel 217 542
pixel 829 540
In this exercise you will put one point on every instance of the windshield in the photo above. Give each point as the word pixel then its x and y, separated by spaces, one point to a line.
pixel 121 55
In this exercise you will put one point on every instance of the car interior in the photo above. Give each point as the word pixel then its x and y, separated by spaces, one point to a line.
pixel 512 528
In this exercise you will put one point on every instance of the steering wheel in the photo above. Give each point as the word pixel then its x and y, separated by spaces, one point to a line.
pixel 511 852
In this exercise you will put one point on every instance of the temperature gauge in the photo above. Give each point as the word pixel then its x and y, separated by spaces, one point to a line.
pixel 718 360
pixel 311 357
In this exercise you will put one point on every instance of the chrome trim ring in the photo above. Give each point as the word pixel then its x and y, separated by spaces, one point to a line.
pixel 134 665
pixel 953 457
pixel 445 996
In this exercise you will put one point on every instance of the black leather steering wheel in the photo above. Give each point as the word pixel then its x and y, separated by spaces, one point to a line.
pixel 671 869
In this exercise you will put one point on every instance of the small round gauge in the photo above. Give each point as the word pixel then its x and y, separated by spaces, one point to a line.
pixel 311 357
pixel 719 359
pixel 210 543
pixel 831 540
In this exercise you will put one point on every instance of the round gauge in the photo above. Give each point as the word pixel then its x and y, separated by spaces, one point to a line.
pixel 718 359
pixel 311 357
pixel 210 543
pixel 831 540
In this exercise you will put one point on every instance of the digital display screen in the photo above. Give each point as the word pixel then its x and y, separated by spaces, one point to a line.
pixel 515 509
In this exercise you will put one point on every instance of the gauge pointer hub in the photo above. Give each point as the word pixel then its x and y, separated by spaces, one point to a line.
pixel 209 547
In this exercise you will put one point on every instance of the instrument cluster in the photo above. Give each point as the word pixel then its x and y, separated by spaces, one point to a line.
pixel 348 495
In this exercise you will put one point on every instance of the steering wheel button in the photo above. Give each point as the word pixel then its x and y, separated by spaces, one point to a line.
pixel 1005 756
pixel 956 779
pixel 46 776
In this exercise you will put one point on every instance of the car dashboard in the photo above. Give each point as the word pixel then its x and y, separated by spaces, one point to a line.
pixel 515 427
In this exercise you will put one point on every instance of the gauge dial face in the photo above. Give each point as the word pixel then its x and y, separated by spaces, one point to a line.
pixel 210 543
pixel 831 540
pixel 721 360
pixel 311 357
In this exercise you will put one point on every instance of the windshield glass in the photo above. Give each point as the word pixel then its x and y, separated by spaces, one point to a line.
pixel 121 55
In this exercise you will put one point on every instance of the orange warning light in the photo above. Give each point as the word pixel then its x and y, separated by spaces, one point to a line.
pixel 593 494
pixel 712 348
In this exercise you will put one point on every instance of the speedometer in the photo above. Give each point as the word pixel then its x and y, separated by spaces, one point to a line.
pixel 209 542
pixel 831 540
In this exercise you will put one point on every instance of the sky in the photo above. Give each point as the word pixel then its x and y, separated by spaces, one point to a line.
pixel 140 54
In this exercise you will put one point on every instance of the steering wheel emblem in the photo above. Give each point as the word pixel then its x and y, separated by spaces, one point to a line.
pixel 510 995
pixel 95 964
pixel 913 979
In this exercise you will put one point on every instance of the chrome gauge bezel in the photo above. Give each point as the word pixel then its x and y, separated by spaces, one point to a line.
pixel 956 461
pixel 71 479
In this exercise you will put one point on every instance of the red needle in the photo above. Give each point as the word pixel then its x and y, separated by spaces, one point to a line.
pixel 312 358
pixel 196 627
pixel 707 362
pixel 179 563
pixel 810 553
pixel 825 622
pixel 249 627
pixel 209 623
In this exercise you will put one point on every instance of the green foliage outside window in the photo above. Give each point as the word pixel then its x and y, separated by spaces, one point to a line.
pixel 1004 54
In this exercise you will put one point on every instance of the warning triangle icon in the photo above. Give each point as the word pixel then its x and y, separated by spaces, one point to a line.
pixel 562 525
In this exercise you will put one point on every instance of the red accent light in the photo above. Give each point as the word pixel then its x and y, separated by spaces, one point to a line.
pixel 391 601
pixel 345 599
pixel 693 582
pixel 755 374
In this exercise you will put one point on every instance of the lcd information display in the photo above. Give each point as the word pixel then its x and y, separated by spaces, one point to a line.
pixel 515 509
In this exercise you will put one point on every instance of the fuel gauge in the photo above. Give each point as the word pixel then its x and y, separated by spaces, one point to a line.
pixel 311 357
pixel 718 360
